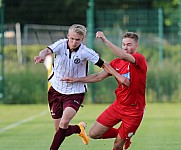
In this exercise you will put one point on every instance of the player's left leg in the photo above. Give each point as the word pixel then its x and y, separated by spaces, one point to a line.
pixel 56 124
pixel 82 133
pixel 130 122
pixel 127 144
pixel 118 143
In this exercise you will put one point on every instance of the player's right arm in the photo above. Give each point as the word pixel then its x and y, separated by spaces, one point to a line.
pixel 109 69
pixel 88 79
pixel 42 55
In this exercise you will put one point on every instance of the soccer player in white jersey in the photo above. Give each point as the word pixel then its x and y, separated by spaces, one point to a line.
pixel 71 58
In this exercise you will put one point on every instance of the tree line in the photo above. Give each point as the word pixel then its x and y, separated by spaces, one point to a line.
pixel 66 12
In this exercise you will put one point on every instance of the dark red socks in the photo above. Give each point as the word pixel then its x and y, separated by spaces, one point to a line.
pixel 58 139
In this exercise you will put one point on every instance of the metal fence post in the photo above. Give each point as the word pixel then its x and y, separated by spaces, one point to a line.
pixel 90 39
pixel 2 49
pixel 160 33
pixel 180 49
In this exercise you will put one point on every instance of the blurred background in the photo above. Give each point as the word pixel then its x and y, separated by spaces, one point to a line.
pixel 29 26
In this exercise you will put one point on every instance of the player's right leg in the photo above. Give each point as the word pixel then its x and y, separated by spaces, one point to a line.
pixel 56 124
pixel 102 128
pixel 61 133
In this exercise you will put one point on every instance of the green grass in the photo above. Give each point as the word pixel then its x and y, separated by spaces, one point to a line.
pixel 33 128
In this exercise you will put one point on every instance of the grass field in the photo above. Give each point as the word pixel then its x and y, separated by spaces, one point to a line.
pixel 29 127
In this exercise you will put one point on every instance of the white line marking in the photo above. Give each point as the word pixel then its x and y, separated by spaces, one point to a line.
pixel 22 121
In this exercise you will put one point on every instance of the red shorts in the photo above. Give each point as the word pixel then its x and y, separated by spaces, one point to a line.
pixel 58 102
pixel 128 115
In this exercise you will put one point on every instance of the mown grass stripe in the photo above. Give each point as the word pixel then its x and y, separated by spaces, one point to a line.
pixel 22 121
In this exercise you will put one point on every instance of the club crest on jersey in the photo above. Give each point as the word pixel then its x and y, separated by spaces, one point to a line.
pixel 77 61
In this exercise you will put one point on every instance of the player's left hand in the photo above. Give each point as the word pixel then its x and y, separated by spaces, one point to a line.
pixel 101 35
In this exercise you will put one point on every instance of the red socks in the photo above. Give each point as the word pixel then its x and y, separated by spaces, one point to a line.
pixel 111 133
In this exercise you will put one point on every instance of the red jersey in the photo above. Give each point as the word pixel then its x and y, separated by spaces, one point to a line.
pixel 134 95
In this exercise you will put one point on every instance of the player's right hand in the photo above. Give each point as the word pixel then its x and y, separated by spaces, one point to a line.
pixel 69 80
pixel 123 80
pixel 38 59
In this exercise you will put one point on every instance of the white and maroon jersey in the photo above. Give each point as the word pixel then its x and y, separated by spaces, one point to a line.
pixel 71 64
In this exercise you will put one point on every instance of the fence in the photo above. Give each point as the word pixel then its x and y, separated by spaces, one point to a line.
pixel 158 43
pixel 156 38
pixel 1 49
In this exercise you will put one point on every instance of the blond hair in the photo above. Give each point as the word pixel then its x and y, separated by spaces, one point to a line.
pixel 77 28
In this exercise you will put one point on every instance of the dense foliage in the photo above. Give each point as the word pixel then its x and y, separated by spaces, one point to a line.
pixel 27 82
pixel 66 12
pixel 24 83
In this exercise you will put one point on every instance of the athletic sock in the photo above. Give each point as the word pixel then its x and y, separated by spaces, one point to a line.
pixel 58 139
pixel 111 133
pixel 72 129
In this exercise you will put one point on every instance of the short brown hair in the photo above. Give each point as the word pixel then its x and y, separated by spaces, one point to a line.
pixel 131 35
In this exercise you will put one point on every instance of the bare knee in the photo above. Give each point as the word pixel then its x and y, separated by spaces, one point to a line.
pixel 94 135
pixel 97 130
pixel 64 123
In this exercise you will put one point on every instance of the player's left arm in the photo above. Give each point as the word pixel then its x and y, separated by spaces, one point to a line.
pixel 88 79
pixel 99 76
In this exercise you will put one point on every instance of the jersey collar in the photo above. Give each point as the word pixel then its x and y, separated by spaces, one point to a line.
pixel 75 50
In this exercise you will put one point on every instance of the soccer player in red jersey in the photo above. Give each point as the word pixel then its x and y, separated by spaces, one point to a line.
pixel 129 106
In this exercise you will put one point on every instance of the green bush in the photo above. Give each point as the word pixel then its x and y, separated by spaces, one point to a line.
pixel 26 83
pixel 28 53
pixel 162 83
